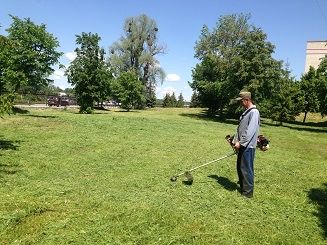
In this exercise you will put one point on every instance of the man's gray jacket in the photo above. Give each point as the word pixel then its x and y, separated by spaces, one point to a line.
pixel 248 129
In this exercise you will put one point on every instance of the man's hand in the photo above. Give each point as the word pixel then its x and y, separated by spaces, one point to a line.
pixel 237 146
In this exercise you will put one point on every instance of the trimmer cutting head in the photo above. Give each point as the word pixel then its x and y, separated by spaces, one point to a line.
pixel 173 178
pixel 187 174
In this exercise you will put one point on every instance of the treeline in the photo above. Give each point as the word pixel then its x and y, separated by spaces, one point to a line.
pixel 233 56
pixel 236 56
pixel 171 101
pixel 127 73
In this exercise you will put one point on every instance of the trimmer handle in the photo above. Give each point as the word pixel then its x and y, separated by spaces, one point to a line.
pixel 230 141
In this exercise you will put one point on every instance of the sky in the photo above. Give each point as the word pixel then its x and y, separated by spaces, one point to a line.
pixel 289 24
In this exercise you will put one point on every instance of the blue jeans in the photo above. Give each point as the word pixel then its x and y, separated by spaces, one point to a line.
pixel 245 170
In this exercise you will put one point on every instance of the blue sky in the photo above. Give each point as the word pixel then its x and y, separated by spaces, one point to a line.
pixel 288 24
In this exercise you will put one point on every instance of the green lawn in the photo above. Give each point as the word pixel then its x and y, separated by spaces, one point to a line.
pixel 105 179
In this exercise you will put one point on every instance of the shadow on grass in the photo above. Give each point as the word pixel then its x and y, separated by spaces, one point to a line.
pixel 187 182
pixel 17 110
pixel 204 116
pixel 8 169
pixel 225 182
pixel 319 197
pixel 126 111
pixel 310 124
pixel 319 127
pixel 9 144
pixel 38 116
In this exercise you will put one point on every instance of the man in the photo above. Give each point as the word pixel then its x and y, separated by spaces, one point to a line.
pixel 245 142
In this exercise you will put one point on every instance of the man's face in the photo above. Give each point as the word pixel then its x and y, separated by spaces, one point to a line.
pixel 244 103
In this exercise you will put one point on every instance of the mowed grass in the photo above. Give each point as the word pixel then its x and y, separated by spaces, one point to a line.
pixel 105 179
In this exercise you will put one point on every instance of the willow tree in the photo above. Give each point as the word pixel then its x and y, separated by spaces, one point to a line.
pixel 137 50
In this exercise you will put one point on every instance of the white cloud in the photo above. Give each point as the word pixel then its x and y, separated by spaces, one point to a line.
pixel 57 75
pixel 70 56
pixel 161 92
pixel 172 78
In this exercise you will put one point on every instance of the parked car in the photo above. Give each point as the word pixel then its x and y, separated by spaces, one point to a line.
pixel 59 101
pixel 53 101
pixel 64 101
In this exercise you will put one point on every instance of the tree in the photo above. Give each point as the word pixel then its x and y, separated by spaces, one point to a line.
pixel 233 56
pixel 6 103
pixel 32 54
pixel 322 86
pixel 286 99
pixel 128 90
pixel 180 101
pixel 195 100
pixel 137 50
pixel 170 100
pixel 6 100
pixel 88 72
pixel 166 101
pixel 309 89
pixel 173 100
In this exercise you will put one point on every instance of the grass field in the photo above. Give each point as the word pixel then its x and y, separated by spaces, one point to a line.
pixel 67 178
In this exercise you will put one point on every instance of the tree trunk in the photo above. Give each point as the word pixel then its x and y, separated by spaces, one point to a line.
pixel 305 116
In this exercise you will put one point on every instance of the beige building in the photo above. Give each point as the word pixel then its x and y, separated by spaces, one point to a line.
pixel 316 50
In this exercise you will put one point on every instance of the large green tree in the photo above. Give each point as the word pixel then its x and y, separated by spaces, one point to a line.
pixel 27 55
pixel 33 52
pixel 89 73
pixel 137 50
pixel 233 56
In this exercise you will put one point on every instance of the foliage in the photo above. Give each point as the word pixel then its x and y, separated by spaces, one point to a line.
pixel 180 101
pixel 9 77
pixel 309 89
pixel 322 86
pixel 286 100
pixel 27 55
pixel 6 103
pixel 70 178
pixel 137 50
pixel 128 90
pixel 216 51
pixel 195 100
pixel 233 56
pixel 31 56
pixel 169 100
pixel 88 73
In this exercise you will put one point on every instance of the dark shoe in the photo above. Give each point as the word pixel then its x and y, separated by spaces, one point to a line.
pixel 247 195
